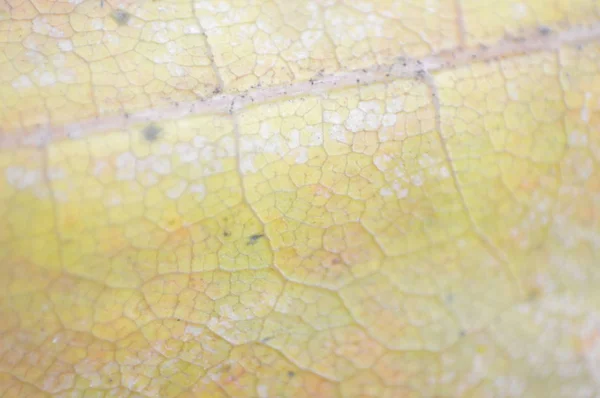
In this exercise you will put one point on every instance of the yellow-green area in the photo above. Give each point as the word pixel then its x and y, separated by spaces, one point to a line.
pixel 428 236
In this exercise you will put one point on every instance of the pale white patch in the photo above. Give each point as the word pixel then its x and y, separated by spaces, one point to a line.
pixel 520 10
pixel 315 134
pixel 194 330
pixel 363 6
pixel 191 29
pixel 381 161
pixel 47 79
pixel 425 160
pixel 56 173
pixel 355 121
pixel 337 133
pixel 394 105
pixel 200 141
pixel 332 117
pixel 173 49
pixel 41 26
pixel 228 311
pixel 417 180
pixel 21 178
pixel 67 75
pixel 373 121
pixel 187 154
pixel 510 386
pixel 274 146
pixel 125 167
pixel 357 32
pixel 157 26
pixel 513 90
pixel 161 165
pixel 112 39
pixel 294 141
pixel 263 390
pixel 585 112
pixel 389 119
pixel 176 191
pixel 309 38
pixel 386 192
pixel 585 168
pixel 301 155
pixel 577 138
pixel 444 173
pixel 395 189
pixel 199 190
pixel 371 106
pixel 22 81
pixel 65 45
pixel 374 113
pixel 176 70
pixel 247 165
pixel 97 24
pixel 227 147
pixel 113 200
pixel 263 44
pixel 265 130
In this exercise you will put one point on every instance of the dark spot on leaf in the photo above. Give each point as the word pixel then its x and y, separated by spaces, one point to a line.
pixel 533 294
pixel 121 17
pixel 291 373
pixel 254 238
pixel 226 233
pixel 151 132
pixel 544 30
pixel 266 339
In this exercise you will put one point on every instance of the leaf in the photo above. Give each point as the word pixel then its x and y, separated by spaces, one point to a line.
pixel 299 198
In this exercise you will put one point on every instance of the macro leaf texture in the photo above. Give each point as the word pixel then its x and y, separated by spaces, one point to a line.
pixel 299 198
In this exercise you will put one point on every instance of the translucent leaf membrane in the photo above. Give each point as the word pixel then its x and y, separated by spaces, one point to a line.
pixel 386 233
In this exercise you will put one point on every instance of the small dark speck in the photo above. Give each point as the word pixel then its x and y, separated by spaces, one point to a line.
pixel 544 30
pixel 291 373
pixel 178 320
pixel 126 115
pixel 533 294
pixel 462 333
pixel 266 339
pixel 254 238
pixel 121 17
pixel 226 233
pixel 151 132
